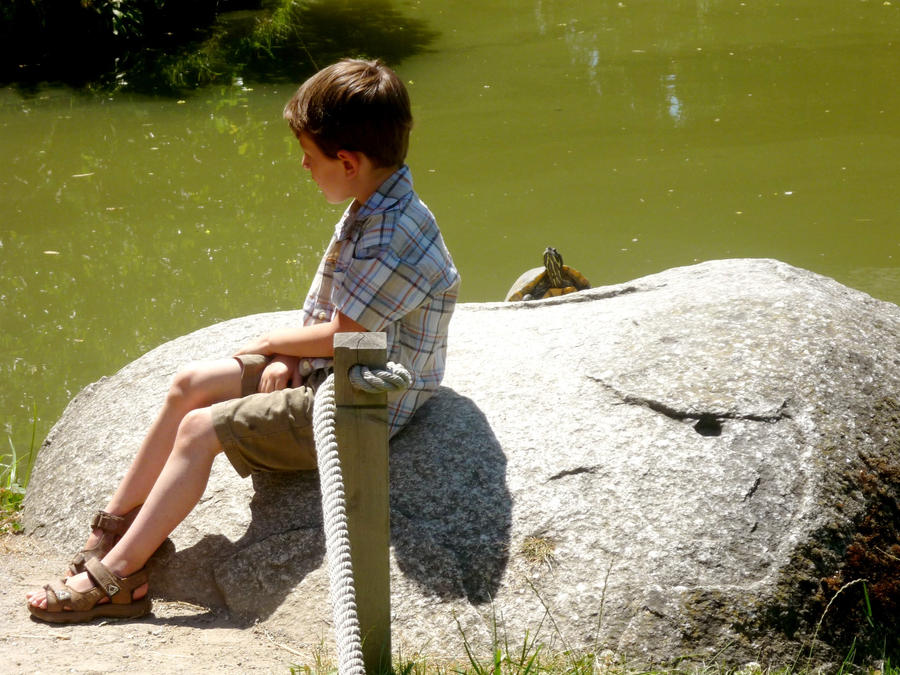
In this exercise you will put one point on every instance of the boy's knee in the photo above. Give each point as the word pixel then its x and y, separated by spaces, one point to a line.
pixel 185 388
pixel 198 433
pixel 196 423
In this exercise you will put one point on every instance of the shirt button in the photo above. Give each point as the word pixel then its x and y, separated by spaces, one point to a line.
pixel 321 316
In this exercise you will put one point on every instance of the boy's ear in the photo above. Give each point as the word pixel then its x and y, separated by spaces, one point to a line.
pixel 350 161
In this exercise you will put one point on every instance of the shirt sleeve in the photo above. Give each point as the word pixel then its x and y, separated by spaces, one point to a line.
pixel 379 288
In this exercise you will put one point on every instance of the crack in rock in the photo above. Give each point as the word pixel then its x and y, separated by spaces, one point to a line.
pixel 587 295
pixel 574 472
pixel 752 491
pixel 708 422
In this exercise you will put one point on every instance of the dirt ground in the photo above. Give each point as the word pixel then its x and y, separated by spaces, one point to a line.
pixel 175 638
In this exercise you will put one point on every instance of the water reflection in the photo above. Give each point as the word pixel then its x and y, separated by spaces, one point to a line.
pixel 713 57
pixel 172 48
pixel 675 110
pixel 331 30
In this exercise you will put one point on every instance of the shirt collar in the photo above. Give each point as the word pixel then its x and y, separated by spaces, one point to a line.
pixel 391 191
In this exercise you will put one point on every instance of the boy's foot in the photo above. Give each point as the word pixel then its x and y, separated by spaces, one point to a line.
pixel 94 593
pixel 80 583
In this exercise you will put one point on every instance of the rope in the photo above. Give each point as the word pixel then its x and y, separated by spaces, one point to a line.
pixel 334 507
pixel 395 378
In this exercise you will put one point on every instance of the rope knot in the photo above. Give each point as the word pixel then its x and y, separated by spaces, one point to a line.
pixel 375 380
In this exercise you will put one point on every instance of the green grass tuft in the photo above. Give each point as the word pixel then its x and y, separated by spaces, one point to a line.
pixel 13 481
pixel 534 654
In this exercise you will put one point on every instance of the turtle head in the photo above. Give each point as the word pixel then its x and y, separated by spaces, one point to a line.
pixel 553 262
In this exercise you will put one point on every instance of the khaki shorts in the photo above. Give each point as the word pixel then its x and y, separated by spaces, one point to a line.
pixel 266 432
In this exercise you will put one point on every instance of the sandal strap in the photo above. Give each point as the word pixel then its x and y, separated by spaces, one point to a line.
pixel 61 598
pixel 109 523
pixel 57 593
pixel 112 527
pixel 112 584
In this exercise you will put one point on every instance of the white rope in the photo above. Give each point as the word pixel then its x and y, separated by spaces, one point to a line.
pixel 334 508
pixel 395 378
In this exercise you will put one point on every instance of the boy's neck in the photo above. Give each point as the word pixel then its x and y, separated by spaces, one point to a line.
pixel 370 179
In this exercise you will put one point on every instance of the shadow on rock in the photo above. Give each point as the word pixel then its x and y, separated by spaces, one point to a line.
pixel 450 522
pixel 252 576
pixel 451 510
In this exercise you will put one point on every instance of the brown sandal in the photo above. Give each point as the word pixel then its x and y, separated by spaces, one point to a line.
pixel 65 605
pixel 112 527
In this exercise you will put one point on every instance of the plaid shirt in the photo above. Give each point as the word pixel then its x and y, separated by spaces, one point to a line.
pixel 387 268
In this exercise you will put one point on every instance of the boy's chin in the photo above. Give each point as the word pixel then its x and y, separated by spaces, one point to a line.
pixel 335 200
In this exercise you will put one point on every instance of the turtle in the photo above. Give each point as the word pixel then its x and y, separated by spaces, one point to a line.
pixel 548 281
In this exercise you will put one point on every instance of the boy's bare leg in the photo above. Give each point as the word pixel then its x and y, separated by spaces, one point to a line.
pixel 197 385
pixel 176 491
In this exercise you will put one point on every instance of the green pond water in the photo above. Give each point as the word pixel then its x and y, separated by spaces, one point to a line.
pixel 633 136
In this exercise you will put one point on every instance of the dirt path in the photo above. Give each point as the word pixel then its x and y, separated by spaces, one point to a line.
pixel 175 638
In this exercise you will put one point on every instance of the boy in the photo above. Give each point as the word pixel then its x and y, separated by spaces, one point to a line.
pixel 386 269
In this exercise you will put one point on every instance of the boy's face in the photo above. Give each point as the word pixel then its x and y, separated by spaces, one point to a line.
pixel 328 172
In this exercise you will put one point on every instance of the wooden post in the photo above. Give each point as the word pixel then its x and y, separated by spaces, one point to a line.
pixel 361 427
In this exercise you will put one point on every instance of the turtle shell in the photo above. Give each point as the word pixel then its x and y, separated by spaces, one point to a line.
pixel 535 284
pixel 525 283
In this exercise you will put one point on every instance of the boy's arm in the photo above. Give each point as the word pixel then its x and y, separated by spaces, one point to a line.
pixel 303 341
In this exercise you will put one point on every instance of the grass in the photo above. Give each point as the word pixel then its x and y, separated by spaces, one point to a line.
pixel 530 655
pixel 531 658
pixel 13 481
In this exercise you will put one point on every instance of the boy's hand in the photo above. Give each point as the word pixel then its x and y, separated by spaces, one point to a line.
pixel 278 374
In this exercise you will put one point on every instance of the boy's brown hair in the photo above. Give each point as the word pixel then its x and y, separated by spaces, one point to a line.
pixel 354 105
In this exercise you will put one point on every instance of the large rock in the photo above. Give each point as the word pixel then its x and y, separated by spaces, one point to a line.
pixel 692 463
